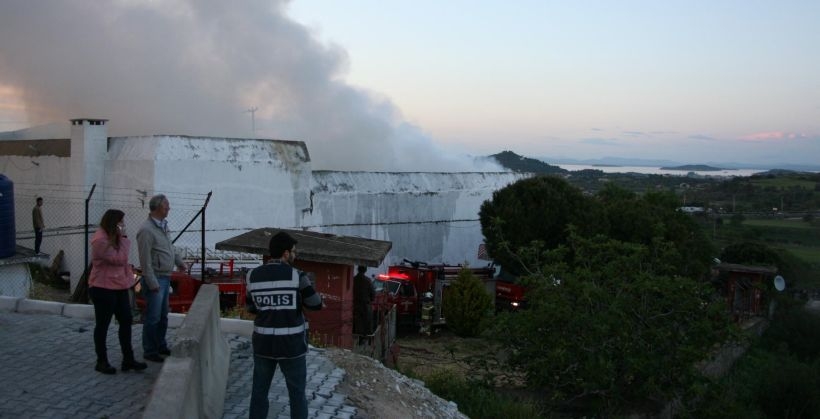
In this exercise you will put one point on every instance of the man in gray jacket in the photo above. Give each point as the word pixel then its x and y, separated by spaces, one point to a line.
pixel 157 259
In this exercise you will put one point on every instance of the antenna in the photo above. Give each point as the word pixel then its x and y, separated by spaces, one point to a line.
pixel 252 111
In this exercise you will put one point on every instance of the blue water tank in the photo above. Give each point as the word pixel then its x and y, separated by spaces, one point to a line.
pixel 8 244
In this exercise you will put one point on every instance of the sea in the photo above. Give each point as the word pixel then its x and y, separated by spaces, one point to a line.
pixel 655 170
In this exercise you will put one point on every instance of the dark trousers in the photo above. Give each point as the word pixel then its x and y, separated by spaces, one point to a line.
pixel 108 303
pixel 38 239
pixel 295 372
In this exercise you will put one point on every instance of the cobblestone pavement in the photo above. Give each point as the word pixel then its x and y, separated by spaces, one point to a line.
pixel 47 371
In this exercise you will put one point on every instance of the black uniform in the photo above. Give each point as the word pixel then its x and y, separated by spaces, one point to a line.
pixel 276 293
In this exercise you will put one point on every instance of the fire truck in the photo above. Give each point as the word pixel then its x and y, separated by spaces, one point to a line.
pixel 184 287
pixel 407 284
pixel 509 294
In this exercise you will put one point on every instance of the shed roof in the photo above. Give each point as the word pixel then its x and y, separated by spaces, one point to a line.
pixel 314 246
pixel 733 267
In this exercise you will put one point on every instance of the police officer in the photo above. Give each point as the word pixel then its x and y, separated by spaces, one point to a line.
pixel 276 293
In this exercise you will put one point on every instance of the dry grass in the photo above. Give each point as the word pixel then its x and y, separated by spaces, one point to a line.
pixel 465 358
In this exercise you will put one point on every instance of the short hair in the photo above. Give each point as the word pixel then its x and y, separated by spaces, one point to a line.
pixel 39 199
pixel 156 201
pixel 361 269
pixel 280 242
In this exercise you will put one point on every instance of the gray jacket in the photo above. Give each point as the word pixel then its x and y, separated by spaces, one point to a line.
pixel 157 254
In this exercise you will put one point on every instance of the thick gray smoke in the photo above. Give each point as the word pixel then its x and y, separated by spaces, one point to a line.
pixel 196 67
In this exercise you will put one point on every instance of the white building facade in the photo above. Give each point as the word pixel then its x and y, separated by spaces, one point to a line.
pixel 430 217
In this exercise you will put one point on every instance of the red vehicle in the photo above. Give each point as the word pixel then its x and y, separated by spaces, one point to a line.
pixel 405 286
pixel 184 288
pixel 509 295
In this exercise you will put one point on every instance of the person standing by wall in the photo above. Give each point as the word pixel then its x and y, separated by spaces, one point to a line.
pixel 109 282
pixel 157 260
pixel 363 295
pixel 276 294
pixel 39 224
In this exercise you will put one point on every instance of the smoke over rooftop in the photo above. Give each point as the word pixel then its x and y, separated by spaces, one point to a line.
pixel 205 67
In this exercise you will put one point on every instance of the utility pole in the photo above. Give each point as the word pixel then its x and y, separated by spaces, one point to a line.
pixel 252 111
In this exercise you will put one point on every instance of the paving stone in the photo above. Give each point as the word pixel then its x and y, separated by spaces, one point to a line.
pixel 55 354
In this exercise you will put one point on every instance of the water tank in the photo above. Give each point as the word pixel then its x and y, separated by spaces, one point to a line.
pixel 8 245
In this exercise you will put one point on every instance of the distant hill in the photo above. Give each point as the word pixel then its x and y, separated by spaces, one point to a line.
pixel 694 168
pixel 517 163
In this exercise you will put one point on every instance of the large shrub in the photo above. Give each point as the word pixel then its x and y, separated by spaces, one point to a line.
pixel 605 329
pixel 466 304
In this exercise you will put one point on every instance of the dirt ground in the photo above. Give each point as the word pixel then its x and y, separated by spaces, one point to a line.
pixel 381 392
pixel 40 291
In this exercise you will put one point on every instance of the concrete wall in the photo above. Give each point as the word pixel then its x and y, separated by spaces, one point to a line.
pixel 193 380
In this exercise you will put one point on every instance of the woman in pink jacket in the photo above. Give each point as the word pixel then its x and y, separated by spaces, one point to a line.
pixel 111 277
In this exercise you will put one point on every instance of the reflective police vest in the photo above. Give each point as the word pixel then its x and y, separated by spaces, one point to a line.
pixel 279 327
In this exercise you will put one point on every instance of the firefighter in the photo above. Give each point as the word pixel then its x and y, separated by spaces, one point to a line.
pixel 427 313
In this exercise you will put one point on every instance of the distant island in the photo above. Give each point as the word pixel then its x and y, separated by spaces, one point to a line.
pixel 694 168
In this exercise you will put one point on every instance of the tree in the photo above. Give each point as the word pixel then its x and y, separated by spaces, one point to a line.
pixel 750 253
pixel 653 220
pixel 535 209
pixel 618 311
pixel 466 304
pixel 788 265
pixel 605 328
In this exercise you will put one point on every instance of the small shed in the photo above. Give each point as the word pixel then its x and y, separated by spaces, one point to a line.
pixel 744 285
pixel 332 260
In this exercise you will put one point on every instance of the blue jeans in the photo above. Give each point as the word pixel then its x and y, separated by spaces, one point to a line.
pixel 155 323
pixel 295 372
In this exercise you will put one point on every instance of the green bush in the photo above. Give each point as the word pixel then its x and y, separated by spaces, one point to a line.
pixel 794 331
pixel 788 388
pixel 467 305
pixel 778 377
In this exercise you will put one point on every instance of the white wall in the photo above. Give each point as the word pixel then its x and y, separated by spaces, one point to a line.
pixel 431 217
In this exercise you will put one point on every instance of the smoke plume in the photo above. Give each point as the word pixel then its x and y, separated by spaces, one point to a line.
pixel 205 67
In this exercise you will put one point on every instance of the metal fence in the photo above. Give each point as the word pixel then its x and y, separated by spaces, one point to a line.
pixel 378 344
pixel 72 214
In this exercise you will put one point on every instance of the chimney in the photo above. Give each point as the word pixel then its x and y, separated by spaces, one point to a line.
pixel 89 147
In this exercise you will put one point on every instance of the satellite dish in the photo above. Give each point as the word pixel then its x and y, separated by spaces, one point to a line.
pixel 779 283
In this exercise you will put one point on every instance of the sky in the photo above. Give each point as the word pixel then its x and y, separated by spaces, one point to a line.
pixel 424 85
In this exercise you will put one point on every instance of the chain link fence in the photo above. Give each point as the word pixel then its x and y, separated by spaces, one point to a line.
pixel 72 214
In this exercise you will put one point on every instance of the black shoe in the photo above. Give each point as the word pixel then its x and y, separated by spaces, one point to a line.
pixel 166 352
pixel 105 368
pixel 133 365
pixel 154 358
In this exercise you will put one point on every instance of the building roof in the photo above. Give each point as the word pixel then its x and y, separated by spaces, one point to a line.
pixel 36 148
pixel 313 246
pixel 733 267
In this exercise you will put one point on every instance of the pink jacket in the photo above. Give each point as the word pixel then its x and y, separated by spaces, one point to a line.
pixel 109 266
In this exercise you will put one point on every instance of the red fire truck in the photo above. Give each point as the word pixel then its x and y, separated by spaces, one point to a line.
pixel 184 287
pixel 405 285
pixel 509 294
